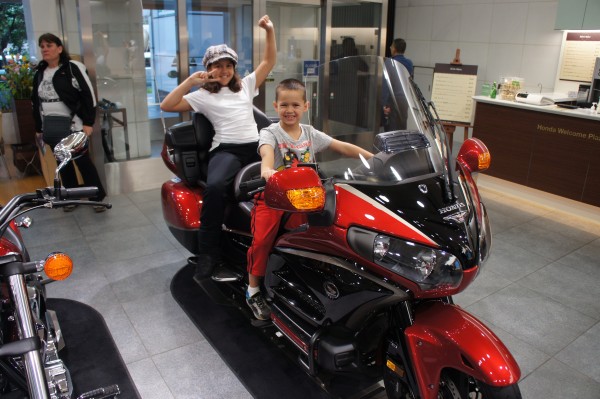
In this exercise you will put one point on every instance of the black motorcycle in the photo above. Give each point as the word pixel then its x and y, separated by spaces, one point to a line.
pixel 31 339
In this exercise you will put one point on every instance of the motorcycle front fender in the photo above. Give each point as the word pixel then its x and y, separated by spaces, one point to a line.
pixel 446 336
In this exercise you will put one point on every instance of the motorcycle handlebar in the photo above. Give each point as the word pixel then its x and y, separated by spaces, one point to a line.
pixel 252 185
pixel 62 196
pixel 79 192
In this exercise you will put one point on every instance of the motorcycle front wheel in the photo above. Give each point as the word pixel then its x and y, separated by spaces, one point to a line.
pixel 454 385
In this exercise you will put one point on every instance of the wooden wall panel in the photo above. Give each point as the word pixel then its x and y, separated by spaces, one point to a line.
pixel 549 152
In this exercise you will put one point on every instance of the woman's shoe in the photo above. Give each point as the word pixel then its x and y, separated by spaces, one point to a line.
pixel 99 208
pixel 69 208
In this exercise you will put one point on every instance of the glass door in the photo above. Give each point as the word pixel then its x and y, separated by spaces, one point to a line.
pixel 356 30
pixel 298 45
pixel 120 40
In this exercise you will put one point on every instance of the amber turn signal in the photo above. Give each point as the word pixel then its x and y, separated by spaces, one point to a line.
pixel 474 155
pixel 484 160
pixel 58 266
pixel 307 199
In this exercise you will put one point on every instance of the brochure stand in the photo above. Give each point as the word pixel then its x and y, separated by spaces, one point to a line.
pixel 453 90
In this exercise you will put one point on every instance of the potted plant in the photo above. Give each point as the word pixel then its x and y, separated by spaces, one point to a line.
pixel 19 79
pixel 6 119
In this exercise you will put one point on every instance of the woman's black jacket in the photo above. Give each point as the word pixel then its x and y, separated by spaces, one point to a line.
pixel 80 101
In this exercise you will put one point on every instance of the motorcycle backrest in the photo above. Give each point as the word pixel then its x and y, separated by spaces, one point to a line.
pixel 191 141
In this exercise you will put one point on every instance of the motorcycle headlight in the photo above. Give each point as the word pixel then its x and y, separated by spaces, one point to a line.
pixel 429 267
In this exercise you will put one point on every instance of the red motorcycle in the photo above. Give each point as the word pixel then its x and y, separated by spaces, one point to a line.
pixel 365 286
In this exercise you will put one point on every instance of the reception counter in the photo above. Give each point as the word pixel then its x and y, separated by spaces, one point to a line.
pixel 548 148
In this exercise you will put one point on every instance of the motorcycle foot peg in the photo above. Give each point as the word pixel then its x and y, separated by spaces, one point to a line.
pixel 261 323
pixel 224 275
pixel 192 260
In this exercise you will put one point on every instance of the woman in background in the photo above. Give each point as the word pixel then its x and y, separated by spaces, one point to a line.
pixel 62 87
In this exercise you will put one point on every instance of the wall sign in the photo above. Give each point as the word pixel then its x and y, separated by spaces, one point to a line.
pixel 453 91
pixel 579 55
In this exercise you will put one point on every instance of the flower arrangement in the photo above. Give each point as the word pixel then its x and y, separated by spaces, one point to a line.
pixel 19 77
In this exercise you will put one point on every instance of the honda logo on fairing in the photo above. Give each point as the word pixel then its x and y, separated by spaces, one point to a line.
pixel 454 207
pixel 331 290
pixel 457 217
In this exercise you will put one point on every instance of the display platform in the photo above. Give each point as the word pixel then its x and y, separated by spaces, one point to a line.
pixel 90 352
pixel 229 330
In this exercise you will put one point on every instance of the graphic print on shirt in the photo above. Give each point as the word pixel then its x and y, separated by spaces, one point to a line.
pixel 46 89
pixel 293 154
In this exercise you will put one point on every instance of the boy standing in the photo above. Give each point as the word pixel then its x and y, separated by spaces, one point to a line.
pixel 282 145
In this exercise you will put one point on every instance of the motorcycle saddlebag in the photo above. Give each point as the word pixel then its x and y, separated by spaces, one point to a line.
pixel 190 142
pixel 181 207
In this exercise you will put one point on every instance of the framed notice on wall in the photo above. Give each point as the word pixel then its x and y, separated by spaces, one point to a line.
pixel 453 91
pixel 580 50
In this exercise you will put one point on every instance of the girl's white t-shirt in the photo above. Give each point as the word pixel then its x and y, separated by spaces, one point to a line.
pixel 231 114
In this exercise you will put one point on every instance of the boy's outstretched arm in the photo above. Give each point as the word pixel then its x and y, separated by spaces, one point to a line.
pixel 270 55
pixel 349 150
pixel 267 153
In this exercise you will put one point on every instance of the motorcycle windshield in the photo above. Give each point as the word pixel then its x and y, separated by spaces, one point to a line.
pixel 373 103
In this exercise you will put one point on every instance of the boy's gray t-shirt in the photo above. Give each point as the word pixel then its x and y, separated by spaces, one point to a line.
pixel 289 151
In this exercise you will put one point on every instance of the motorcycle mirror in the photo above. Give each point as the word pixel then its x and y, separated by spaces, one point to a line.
pixel 71 147
pixel 295 190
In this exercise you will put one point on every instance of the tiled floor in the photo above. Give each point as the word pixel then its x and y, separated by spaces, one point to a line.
pixel 539 292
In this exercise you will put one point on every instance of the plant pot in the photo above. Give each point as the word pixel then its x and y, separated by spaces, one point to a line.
pixel 24 124
pixel 8 128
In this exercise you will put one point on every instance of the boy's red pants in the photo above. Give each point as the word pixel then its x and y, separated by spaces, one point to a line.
pixel 264 227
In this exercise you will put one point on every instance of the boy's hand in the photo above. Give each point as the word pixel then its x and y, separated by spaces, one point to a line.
pixel 266 23
pixel 267 174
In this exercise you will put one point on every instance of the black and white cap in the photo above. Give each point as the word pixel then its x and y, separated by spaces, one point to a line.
pixel 219 52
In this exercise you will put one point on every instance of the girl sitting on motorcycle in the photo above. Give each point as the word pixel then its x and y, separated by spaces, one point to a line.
pixel 282 145
pixel 226 100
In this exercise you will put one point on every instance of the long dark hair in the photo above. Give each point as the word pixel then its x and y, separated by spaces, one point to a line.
pixel 235 84
pixel 52 38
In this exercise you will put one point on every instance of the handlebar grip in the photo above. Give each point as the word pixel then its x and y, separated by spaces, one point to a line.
pixel 252 185
pixel 79 192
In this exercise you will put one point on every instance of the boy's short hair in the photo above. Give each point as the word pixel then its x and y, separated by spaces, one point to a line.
pixel 290 84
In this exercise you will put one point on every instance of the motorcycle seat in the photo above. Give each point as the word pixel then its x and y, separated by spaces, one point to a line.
pixel 190 143
pixel 248 172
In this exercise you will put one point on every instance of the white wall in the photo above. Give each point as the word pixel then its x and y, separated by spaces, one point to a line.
pixel 502 37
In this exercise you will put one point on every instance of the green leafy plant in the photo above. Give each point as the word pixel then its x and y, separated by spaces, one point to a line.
pixel 19 77
pixel 5 98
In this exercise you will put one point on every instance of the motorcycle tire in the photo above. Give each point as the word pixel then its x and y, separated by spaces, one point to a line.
pixel 456 385
pixel 449 388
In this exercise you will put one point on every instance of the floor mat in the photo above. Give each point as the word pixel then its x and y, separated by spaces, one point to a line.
pixel 252 352
pixel 90 353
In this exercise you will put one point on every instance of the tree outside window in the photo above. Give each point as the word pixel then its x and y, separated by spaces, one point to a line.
pixel 13 34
